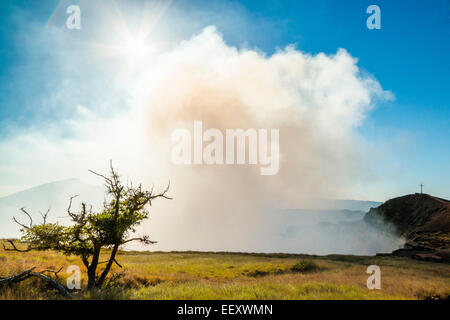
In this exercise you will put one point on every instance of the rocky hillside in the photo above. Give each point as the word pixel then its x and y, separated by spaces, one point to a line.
pixel 420 218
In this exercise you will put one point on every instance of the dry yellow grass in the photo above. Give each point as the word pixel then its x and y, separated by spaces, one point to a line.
pixel 193 275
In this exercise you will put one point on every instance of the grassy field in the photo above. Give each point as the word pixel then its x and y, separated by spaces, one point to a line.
pixel 196 275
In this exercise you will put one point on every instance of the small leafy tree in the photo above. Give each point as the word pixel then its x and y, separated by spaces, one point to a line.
pixel 91 232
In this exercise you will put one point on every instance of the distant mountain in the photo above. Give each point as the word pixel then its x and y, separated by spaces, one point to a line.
pixel 328 210
pixel 355 205
pixel 337 204
pixel 294 217
pixel 418 217
pixel 54 196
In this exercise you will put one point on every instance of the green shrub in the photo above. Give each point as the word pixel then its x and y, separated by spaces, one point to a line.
pixel 304 266
pixel 257 273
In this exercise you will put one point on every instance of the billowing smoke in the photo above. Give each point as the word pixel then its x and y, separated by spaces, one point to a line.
pixel 316 101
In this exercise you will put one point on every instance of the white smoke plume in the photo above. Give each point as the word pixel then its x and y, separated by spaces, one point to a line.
pixel 316 101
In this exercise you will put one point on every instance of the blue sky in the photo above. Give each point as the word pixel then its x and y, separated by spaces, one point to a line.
pixel 409 56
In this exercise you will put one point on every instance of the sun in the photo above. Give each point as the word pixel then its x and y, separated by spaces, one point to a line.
pixel 135 49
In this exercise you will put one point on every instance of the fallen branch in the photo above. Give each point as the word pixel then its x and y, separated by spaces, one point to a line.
pixel 16 278
pixel 53 283
pixel 29 273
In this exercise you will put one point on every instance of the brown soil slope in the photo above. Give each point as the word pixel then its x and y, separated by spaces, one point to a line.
pixel 417 217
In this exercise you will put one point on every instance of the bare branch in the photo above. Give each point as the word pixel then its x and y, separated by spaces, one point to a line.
pixel 117 263
pixel 70 205
pixel 29 216
pixel 53 271
pixel 102 176
pixel 143 239
pixel 21 224
pixel 45 215
pixel 163 194
pixel 165 191
pixel 114 260
pixel 14 248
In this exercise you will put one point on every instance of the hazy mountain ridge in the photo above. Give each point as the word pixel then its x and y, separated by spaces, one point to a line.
pixel 346 204
pixel 54 196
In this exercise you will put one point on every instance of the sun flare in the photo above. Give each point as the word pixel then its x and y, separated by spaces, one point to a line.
pixel 135 48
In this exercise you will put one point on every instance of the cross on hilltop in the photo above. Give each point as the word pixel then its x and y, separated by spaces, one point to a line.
pixel 421 188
